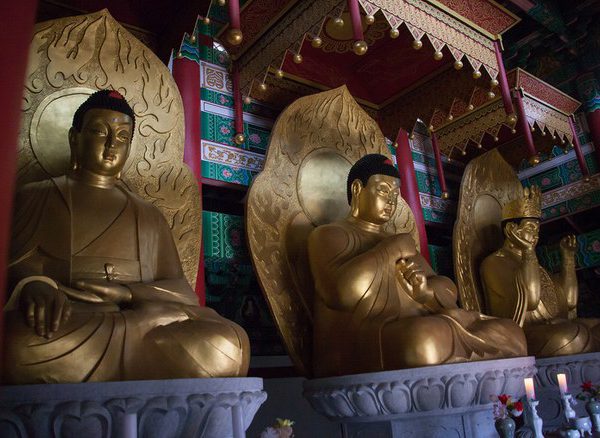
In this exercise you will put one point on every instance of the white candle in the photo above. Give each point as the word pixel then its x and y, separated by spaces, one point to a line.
pixel 562 383
pixel 529 390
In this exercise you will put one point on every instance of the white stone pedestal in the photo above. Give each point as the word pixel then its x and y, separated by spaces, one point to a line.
pixel 578 368
pixel 211 408
pixel 440 401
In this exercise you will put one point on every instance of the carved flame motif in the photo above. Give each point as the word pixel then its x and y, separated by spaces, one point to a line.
pixel 70 58
pixel 327 126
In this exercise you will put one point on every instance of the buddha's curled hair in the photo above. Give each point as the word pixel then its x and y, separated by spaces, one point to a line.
pixel 103 99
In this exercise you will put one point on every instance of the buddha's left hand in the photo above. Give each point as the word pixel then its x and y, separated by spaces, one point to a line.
pixel 568 244
pixel 108 291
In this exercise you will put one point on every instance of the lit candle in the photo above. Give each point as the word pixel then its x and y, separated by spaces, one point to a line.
pixel 562 383
pixel 529 390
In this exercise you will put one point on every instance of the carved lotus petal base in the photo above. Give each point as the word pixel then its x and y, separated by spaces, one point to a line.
pixel 440 401
pixel 150 408
pixel 578 369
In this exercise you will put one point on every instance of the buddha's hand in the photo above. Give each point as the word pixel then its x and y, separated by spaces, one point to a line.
pixel 416 279
pixel 399 246
pixel 568 246
pixel 524 242
pixel 105 290
pixel 46 308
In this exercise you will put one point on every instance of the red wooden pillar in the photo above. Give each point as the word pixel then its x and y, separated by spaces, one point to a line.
pixel 17 28
pixel 187 76
pixel 504 88
pixel 409 187
pixel 529 144
pixel 593 119
pixel 589 94
pixel 578 151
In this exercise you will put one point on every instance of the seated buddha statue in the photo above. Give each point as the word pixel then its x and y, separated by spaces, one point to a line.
pixel 97 288
pixel 516 286
pixel 378 303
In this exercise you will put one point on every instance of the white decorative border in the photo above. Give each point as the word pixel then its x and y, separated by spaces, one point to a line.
pixel 571 191
pixel 435 203
pixel 232 156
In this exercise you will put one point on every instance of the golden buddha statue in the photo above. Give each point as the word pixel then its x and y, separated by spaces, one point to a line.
pixel 378 304
pixel 517 287
pixel 97 288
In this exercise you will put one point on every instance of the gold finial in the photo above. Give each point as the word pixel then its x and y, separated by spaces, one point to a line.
pixel 458 65
pixel 316 42
pixel 234 37
pixel 360 47
pixel 476 74
pixel 528 205
pixel 438 55
pixel 239 138
pixel 417 44
pixel 394 33
pixel 297 58
pixel 369 19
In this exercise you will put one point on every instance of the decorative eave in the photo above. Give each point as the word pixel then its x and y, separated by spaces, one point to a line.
pixel 547 111
pixel 422 18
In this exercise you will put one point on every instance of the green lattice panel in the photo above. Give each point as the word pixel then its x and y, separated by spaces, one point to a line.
pixel 441 260
pixel 584 202
pixel 587 255
pixel 228 174
pixel 220 129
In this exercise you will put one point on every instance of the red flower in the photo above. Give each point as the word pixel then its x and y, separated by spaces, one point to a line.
pixel 517 406
pixel 503 398
pixel 587 386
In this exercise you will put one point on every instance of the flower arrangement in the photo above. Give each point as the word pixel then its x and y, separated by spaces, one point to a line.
pixel 282 429
pixel 589 392
pixel 505 406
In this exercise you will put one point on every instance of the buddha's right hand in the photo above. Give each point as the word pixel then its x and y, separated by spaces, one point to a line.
pixel 399 246
pixel 46 308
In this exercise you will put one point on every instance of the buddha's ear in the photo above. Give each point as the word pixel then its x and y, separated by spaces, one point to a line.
pixel 509 228
pixel 73 145
pixel 355 189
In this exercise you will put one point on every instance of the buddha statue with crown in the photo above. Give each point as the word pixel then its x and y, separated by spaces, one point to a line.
pixel 97 288
pixel 378 303
pixel 517 287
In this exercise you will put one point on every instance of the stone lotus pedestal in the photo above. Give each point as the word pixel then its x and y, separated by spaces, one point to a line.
pixel 211 408
pixel 578 369
pixel 440 401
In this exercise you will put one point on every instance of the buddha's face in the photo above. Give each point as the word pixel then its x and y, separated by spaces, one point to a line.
pixel 102 146
pixel 376 202
pixel 527 230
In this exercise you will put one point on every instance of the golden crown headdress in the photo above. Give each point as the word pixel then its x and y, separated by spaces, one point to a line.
pixel 528 205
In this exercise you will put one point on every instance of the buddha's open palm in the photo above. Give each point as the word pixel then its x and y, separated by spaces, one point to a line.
pixel 568 244
pixel 415 278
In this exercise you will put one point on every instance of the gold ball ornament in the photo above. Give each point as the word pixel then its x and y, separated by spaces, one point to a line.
pixel 543 133
pixel 496 139
pixel 476 74
pixel 279 73
pixel 179 55
pixel 297 58
pixel 470 107
pixel 450 117
pixel 532 129
pixel 438 55
pixel 491 95
pixel 239 138
pixel 193 38
pixel 445 195
pixel 513 131
pixel 206 20
pixel 411 136
pixel 512 118
pixel 316 42
pixel 586 178
pixel 534 160
pixel 339 22
pixel 463 153
pixel 479 145
pixel 221 2
pixel 247 100
pixel 263 86
pixel 494 83
pixel 458 65
pixel 369 19
pixel 234 37
pixel 417 44
pixel 360 47
pixel 394 33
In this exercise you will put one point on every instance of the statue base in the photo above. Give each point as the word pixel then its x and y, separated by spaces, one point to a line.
pixel 439 401
pixel 147 408
pixel 578 369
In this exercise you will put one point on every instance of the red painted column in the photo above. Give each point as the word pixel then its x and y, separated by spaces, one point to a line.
pixel 357 31
pixel 529 145
pixel 187 76
pixel 17 29
pixel 578 152
pixel 439 166
pixel 238 107
pixel 409 187
pixel 504 88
